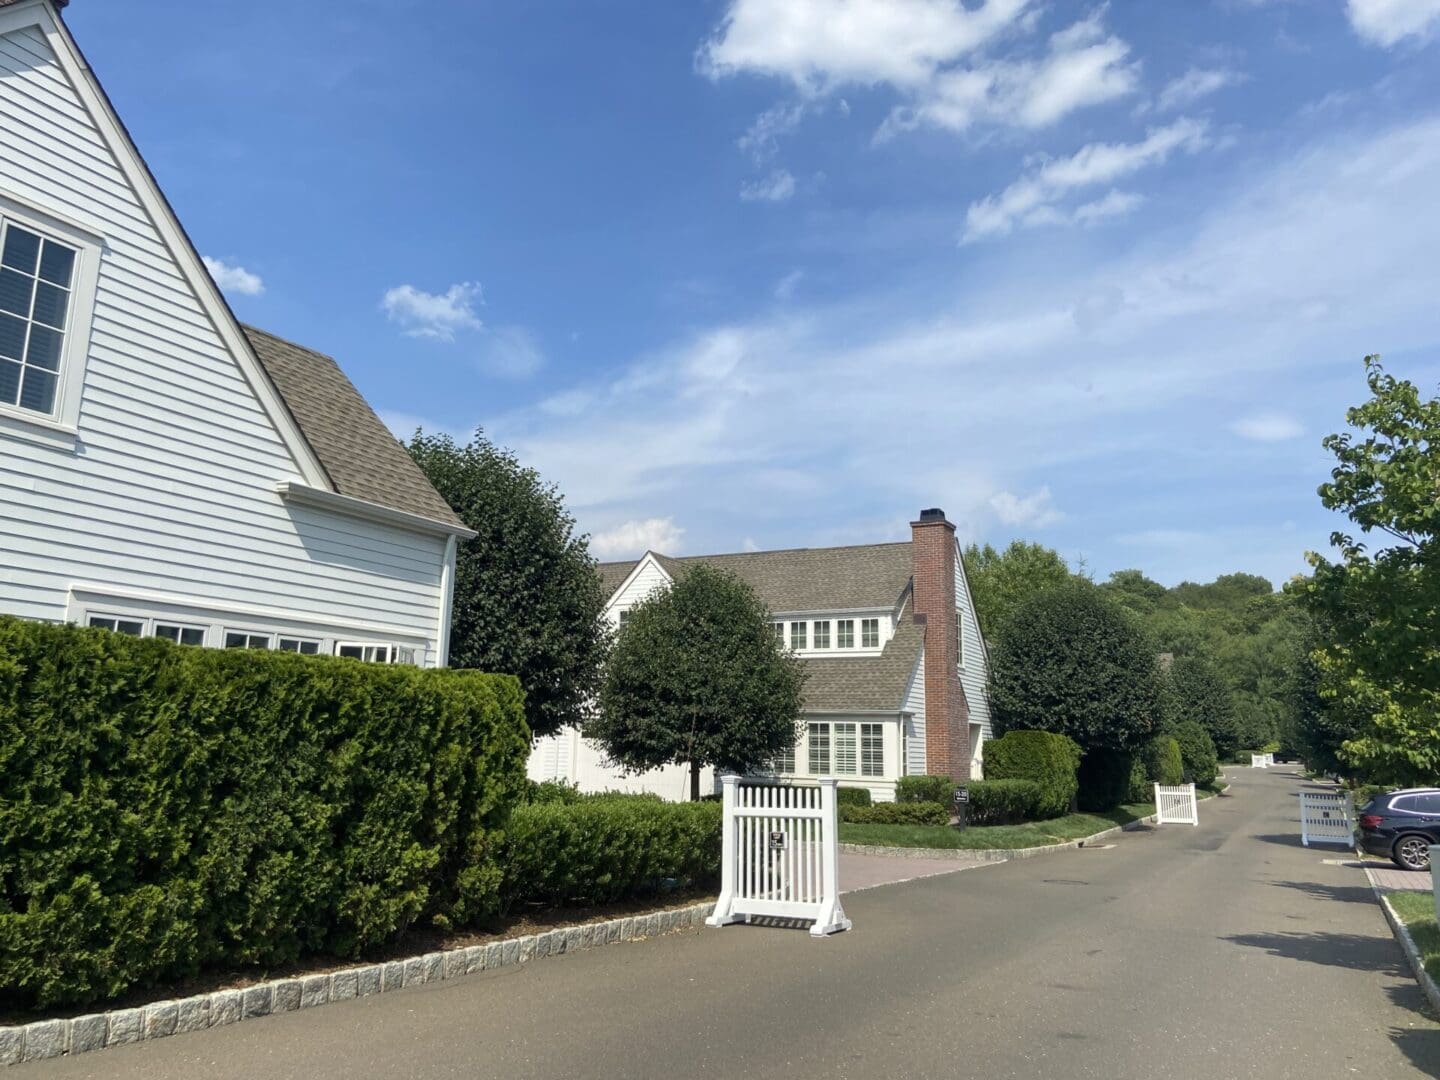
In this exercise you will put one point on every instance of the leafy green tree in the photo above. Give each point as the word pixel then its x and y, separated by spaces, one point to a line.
pixel 527 598
pixel 1135 591
pixel 1001 581
pixel 697 677
pixel 1200 694
pixel 1073 661
pixel 1197 752
pixel 1382 608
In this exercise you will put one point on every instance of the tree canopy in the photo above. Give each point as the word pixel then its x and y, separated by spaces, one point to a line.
pixel 1000 581
pixel 697 677
pixel 527 598
pixel 1380 610
pixel 1199 695
pixel 1073 661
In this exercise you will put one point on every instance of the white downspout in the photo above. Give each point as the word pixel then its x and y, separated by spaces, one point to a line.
pixel 447 601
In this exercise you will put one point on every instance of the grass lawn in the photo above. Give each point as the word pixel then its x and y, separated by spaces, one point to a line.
pixel 1417 912
pixel 986 837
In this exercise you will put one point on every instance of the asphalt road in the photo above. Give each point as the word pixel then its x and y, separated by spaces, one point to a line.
pixel 1221 951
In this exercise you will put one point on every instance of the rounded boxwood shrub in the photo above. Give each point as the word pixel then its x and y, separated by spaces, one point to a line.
pixel 1049 759
pixel 852 796
pixel 1003 802
pixel 907 813
pixel 165 808
pixel 1159 762
pixel 925 789
pixel 1197 752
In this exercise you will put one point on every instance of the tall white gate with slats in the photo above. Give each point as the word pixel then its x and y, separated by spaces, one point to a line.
pixel 1327 817
pixel 1176 805
pixel 780 854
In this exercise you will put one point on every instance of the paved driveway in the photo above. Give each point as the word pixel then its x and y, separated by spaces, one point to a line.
pixel 1221 951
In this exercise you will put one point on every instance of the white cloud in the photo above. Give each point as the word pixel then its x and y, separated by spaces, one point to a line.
pixel 820 45
pixel 637 537
pixel 1387 22
pixel 1032 200
pixel 1196 84
pixel 1114 204
pixel 1268 427
pixel 438 316
pixel 1033 510
pixel 777 187
pixel 786 286
pixel 935 54
pixel 232 278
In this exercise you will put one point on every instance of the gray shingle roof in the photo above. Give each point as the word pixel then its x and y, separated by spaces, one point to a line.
pixel 356 450
pixel 803 579
pixel 825 579
pixel 837 684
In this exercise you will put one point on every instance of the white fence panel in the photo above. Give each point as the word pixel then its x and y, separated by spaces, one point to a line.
pixel 1327 817
pixel 1176 805
pixel 1257 761
pixel 780 854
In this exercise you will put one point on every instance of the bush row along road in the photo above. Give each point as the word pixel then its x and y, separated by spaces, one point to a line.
pixel 1226 950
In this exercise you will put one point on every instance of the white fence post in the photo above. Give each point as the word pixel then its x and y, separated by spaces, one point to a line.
pixel 724 906
pixel 1327 817
pixel 780 852
pixel 1176 805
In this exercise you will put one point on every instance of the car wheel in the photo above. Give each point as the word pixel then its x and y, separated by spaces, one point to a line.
pixel 1412 853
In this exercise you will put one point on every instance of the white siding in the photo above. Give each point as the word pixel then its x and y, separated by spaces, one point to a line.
pixel 915 727
pixel 170 488
pixel 974 667
pixel 645 579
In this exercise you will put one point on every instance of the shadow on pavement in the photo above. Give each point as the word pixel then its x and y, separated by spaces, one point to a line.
pixel 1359 951
pixel 1285 840
pixel 1354 894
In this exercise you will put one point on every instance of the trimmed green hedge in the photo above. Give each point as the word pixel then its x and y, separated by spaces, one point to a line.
pixel 1004 802
pixel 600 850
pixel 925 789
pixel 1197 752
pixel 1049 759
pixel 906 813
pixel 1105 777
pixel 852 796
pixel 165 809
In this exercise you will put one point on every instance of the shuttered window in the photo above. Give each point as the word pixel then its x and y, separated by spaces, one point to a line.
pixel 846 750
pixel 819 757
pixel 872 750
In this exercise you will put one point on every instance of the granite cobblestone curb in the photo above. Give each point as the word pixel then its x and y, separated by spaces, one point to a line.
pixel 993 855
pixel 1408 947
pixel 53 1038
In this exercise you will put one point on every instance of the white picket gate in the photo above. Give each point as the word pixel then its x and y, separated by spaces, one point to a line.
pixel 1257 761
pixel 1327 817
pixel 1176 805
pixel 780 854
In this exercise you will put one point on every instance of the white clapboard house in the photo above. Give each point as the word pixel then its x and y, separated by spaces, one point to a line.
pixel 165 471
pixel 897 666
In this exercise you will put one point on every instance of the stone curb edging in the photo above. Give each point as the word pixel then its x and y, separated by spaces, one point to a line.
pixel 989 855
pixel 53 1038
pixel 1408 947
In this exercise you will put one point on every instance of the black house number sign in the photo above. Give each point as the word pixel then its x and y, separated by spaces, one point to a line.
pixel 962 796
pixel 777 841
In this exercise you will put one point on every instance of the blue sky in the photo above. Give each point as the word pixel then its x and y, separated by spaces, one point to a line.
pixel 782 272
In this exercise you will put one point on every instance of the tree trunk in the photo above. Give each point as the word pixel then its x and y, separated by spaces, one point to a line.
pixel 694 781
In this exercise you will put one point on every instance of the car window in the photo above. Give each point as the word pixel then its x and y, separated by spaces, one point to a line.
pixel 1429 805
pixel 1403 804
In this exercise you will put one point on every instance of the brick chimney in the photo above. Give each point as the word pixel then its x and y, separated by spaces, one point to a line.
pixel 947 716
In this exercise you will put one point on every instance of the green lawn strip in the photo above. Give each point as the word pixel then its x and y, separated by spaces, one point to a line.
pixel 989 837
pixel 1417 912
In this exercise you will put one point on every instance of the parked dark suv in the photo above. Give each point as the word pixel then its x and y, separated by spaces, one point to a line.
pixel 1401 825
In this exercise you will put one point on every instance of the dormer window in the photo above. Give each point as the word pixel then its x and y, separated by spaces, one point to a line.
pixel 36 275
pixel 869 633
pixel 822 634
pixel 778 629
pixel 844 633
pixel 798 635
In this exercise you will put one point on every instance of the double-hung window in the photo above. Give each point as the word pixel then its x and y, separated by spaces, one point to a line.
pixel 778 629
pixel 845 633
pixel 36 276
pixel 822 634
pixel 797 635
pixel 869 633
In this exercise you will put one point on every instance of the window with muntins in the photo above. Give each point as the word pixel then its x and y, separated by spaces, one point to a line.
pixel 36 277
pixel 797 635
pixel 129 627
pixel 785 761
pixel 303 646
pixel 243 639
pixel 778 629
pixel 845 633
pixel 869 633
pixel 822 634
pixel 181 635
pixel 819 756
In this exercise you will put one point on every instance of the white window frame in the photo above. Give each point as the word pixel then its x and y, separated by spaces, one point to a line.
pixel 299 641
pixel 799 635
pixel 394 654
pixel 818 636
pixel 118 617
pixel 159 621
pixel 845 633
pixel 249 632
pixel 60 426
pixel 865 625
